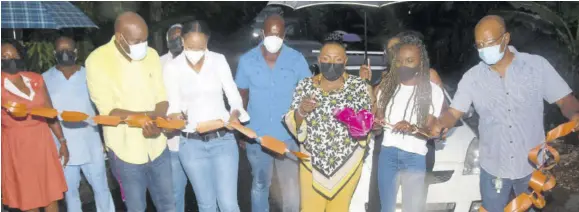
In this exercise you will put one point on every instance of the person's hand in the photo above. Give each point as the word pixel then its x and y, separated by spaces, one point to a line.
pixel 365 72
pixel 575 118
pixel 175 116
pixel 378 126
pixel 150 130
pixel 63 153
pixel 307 105
pixel 403 127
pixel 436 130
pixel 233 118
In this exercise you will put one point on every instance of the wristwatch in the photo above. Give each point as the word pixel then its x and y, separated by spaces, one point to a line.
pixel 62 140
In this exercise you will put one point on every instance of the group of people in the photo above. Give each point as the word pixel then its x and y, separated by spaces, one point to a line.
pixel 274 93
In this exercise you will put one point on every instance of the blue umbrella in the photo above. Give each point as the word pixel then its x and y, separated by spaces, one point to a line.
pixel 43 15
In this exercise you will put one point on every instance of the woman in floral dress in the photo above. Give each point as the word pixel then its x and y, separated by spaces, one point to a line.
pixel 329 178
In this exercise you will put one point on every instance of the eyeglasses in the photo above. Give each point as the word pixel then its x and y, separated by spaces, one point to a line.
pixel 488 43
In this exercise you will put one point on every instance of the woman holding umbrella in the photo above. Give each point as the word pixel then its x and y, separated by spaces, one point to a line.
pixel 330 178
pixel 32 174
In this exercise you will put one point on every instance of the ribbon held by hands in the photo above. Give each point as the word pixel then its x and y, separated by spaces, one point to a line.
pixel 419 132
pixel 20 110
pixel 268 142
pixel 541 179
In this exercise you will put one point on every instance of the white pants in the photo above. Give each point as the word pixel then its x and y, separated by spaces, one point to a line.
pixel 360 198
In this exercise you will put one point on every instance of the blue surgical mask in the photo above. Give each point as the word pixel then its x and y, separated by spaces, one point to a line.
pixel 492 54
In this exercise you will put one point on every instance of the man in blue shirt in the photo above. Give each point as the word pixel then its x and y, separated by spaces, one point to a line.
pixel 507 89
pixel 66 84
pixel 266 77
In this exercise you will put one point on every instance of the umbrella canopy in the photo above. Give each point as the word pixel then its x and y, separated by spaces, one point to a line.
pixel 43 15
pixel 302 4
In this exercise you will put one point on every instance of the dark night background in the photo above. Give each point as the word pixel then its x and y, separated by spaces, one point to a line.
pixel 549 29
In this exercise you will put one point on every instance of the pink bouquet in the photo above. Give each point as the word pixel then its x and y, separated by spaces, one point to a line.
pixel 359 124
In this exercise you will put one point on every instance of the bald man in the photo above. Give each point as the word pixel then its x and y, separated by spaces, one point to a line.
pixel 66 84
pixel 174 43
pixel 507 89
pixel 266 77
pixel 124 79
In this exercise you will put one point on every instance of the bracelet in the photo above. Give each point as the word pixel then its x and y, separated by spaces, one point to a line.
pixel 62 140
pixel 300 113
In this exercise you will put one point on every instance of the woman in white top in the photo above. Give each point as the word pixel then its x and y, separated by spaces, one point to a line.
pixel 406 100
pixel 196 81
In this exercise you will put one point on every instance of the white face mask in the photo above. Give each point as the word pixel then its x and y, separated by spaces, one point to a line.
pixel 272 43
pixel 492 54
pixel 138 51
pixel 194 56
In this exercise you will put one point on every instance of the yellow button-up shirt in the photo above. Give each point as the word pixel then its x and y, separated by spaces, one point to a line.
pixel 115 82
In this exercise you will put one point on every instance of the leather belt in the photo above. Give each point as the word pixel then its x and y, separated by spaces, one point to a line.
pixel 205 137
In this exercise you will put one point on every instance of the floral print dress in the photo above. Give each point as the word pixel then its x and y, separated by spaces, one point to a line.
pixel 335 155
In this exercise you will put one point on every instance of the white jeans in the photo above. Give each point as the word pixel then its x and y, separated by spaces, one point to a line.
pixel 360 198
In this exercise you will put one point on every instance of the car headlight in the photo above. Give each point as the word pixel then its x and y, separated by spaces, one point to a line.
pixel 471 162
pixel 475 206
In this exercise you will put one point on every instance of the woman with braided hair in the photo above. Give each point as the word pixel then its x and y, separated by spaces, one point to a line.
pixel 406 100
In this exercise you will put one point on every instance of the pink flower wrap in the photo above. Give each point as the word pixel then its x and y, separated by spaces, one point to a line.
pixel 359 124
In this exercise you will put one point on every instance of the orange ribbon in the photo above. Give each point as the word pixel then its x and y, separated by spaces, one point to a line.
pixel 541 179
pixel 20 110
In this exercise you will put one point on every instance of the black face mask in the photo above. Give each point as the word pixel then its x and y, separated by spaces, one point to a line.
pixel 406 73
pixel 65 57
pixel 175 46
pixel 332 71
pixel 12 66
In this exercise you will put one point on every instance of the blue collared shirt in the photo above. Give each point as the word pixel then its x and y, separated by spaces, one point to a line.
pixel 510 110
pixel 83 140
pixel 270 91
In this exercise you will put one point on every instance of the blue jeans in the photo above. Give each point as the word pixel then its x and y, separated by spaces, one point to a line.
pixel 179 181
pixel 262 170
pixel 212 170
pixel 96 174
pixel 153 175
pixel 496 202
pixel 395 167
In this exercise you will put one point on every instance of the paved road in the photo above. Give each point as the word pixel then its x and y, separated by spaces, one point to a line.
pixel 244 192
pixel 561 199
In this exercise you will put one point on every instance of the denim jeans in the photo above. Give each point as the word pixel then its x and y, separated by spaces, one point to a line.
pixel 96 174
pixel 262 170
pixel 494 201
pixel 397 167
pixel 153 175
pixel 179 181
pixel 212 168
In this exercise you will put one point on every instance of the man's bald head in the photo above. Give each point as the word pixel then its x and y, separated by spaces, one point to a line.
pixel 64 43
pixel 490 29
pixel 132 27
pixel 274 25
pixel 492 21
pixel 333 53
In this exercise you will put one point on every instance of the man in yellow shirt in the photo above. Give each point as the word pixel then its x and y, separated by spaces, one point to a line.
pixel 124 78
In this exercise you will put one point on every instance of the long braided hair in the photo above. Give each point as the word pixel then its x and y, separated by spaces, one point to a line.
pixel 422 94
